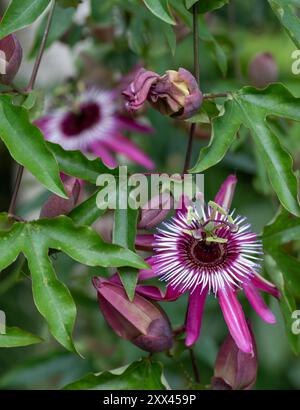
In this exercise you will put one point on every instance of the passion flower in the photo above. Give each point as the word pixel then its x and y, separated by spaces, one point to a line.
pixel 209 249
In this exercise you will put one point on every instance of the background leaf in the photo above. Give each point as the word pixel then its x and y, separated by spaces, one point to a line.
pixel 160 8
pixel 27 146
pixel 284 229
pixel 286 12
pixel 76 164
pixel 204 34
pixel 283 268
pixel 205 6
pixel 242 107
pixel 61 22
pixel 124 233
pixel 20 14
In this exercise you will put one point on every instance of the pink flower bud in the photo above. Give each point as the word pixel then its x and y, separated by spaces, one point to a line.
pixel 142 321
pixel 11 58
pixel 175 94
pixel 263 70
pixel 56 205
pixel 155 211
pixel 234 369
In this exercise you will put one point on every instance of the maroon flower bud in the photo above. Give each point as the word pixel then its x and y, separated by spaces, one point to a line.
pixel 10 58
pixel 263 70
pixel 175 94
pixel 155 211
pixel 56 205
pixel 142 321
pixel 234 369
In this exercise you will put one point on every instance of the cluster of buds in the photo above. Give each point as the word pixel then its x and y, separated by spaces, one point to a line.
pixel 174 94
pixel 10 58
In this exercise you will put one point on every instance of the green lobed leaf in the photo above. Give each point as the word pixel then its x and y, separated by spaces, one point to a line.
pixel 27 146
pixel 20 14
pixel 51 297
pixel 15 337
pixel 160 8
pixel 285 11
pixel 251 107
pixel 144 374
pixel 35 239
pixel 76 164
pixel 61 22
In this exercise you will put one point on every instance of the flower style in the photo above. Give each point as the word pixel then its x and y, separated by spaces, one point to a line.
pixel 206 249
pixel 175 94
pixel 93 125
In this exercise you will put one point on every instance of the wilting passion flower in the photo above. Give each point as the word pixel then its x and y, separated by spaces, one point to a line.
pixel 208 249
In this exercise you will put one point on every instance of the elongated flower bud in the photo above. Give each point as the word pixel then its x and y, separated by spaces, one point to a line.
pixel 56 205
pixel 10 58
pixel 263 70
pixel 142 321
pixel 175 94
pixel 234 369
pixel 155 211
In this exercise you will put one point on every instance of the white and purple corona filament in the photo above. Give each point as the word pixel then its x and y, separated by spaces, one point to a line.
pixel 213 251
